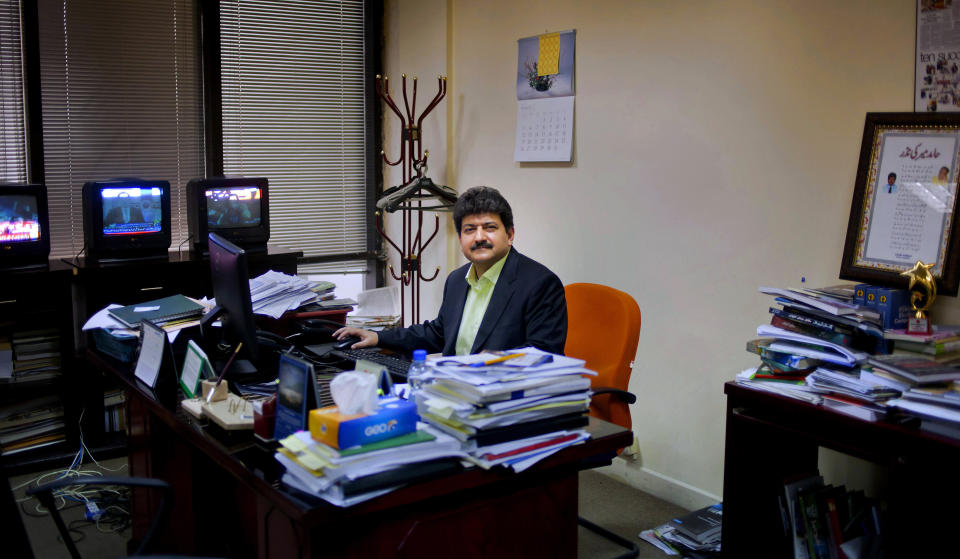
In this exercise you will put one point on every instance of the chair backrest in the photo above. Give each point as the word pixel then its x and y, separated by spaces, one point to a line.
pixel 603 328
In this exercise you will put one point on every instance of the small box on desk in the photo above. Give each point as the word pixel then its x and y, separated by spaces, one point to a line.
pixel 122 347
pixel 395 417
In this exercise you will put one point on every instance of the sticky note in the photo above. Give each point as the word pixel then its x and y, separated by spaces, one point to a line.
pixel 293 444
pixel 548 59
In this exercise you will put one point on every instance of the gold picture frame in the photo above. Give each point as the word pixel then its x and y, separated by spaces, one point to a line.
pixel 905 200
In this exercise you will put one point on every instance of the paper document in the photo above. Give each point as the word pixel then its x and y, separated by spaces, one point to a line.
pixel 835 353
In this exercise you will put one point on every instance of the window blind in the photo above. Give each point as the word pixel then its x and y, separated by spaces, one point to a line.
pixel 292 77
pixel 13 168
pixel 121 97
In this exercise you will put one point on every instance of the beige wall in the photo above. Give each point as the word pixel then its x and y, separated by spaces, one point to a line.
pixel 716 149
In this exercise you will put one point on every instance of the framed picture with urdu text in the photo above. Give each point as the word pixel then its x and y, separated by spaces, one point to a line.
pixel 905 200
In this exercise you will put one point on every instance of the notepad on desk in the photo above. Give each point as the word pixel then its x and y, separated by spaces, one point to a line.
pixel 158 311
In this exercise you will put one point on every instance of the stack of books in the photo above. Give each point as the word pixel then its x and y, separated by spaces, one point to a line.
pixel 813 348
pixel 348 476
pixel 512 409
pixel 942 345
pixel 696 531
pixel 32 356
pixel 114 416
pixel 930 389
pixel 31 424
pixel 826 521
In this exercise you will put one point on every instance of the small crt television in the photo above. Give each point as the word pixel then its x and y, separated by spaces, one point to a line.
pixel 24 225
pixel 235 208
pixel 127 218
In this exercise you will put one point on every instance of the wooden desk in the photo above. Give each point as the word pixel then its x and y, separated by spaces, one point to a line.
pixel 771 437
pixel 228 500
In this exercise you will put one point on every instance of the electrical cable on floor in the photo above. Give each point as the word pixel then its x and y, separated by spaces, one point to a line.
pixel 105 508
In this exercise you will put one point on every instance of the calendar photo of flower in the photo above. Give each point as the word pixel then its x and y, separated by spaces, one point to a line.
pixel 545 65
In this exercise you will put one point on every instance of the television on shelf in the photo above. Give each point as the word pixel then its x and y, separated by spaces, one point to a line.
pixel 235 208
pixel 127 218
pixel 24 225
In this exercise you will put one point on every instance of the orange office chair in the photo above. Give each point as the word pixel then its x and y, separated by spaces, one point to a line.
pixel 603 328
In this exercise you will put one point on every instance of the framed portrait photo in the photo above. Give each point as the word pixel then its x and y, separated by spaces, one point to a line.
pixel 905 200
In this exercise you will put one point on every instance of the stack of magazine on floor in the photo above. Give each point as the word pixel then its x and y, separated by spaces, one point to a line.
pixel 511 408
pixel 697 532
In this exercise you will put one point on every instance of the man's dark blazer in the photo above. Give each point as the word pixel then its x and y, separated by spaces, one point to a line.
pixel 115 216
pixel 527 308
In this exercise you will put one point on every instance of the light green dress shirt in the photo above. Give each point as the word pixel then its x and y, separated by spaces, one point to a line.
pixel 478 297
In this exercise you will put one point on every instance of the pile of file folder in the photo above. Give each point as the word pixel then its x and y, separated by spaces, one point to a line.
pixel 512 409
pixel 345 477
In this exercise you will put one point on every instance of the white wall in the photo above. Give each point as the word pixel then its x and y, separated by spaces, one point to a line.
pixel 716 150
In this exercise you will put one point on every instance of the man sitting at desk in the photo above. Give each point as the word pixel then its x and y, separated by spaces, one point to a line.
pixel 501 300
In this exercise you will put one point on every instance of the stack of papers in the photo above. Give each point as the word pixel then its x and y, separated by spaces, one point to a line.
pixel 353 475
pixel 512 413
pixel 376 309
pixel 275 293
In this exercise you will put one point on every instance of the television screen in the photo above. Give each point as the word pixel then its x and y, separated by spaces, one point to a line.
pixel 19 218
pixel 233 207
pixel 131 210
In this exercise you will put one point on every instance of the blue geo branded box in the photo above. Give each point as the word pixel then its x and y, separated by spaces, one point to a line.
pixel 394 418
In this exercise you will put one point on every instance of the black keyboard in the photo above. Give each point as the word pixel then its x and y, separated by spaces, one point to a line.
pixel 396 365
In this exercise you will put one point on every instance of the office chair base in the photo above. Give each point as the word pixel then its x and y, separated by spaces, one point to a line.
pixel 632 549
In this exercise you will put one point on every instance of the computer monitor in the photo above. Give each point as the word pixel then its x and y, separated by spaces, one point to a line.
pixel 235 208
pixel 24 225
pixel 126 218
pixel 231 288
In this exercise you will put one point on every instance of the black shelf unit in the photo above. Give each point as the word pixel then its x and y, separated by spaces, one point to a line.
pixel 63 294
pixel 37 298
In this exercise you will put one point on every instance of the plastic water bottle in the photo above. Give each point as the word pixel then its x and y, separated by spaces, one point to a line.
pixel 418 369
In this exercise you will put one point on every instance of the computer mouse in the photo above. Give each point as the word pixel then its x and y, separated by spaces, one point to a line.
pixel 345 343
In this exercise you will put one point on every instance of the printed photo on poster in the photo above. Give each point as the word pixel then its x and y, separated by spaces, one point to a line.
pixel 905 198
pixel 545 65
pixel 937 74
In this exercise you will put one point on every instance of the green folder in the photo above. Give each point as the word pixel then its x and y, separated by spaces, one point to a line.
pixel 158 311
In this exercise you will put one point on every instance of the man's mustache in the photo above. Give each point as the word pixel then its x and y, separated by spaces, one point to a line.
pixel 481 244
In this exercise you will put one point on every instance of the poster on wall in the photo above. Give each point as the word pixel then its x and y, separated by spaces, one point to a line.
pixel 937 83
pixel 545 97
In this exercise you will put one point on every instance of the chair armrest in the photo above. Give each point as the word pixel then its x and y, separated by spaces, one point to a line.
pixel 623 395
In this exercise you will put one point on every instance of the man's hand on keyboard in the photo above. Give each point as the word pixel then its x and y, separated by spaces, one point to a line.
pixel 367 338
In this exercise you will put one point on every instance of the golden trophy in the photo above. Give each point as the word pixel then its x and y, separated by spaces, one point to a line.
pixel 923 290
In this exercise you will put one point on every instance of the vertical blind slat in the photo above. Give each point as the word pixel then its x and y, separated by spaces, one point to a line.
pixel 293 111
pixel 122 97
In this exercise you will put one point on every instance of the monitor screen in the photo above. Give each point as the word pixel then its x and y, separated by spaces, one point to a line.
pixel 131 210
pixel 231 288
pixel 233 207
pixel 19 218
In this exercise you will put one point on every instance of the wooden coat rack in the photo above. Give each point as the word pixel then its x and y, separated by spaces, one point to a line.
pixel 409 197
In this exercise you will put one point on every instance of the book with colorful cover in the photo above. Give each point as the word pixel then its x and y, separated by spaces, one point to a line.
pixel 933 347
pixel 919 369
pixel 939 332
